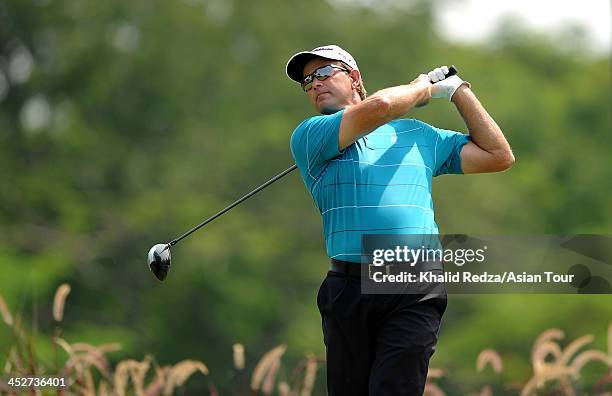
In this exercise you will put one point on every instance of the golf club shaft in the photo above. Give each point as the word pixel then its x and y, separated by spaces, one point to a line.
pixel 247 196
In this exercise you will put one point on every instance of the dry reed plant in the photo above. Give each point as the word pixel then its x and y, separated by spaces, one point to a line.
pixel 302 378
pixel 264 375
pixel 86 363
pixel 6 314
pixel 432 389
pixel 238 350
pixel 59 301
pixel 283 389
pixel 310 374
pixel 553 364
pixel 489 357
pixel 180 373
pixel 265 371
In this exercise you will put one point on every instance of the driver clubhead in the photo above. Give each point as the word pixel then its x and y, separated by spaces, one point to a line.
pixel 159 260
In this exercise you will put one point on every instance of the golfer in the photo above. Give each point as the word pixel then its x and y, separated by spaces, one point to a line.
pixel 370 172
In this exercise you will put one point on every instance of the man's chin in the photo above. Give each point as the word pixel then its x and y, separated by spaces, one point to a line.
pixel 328 109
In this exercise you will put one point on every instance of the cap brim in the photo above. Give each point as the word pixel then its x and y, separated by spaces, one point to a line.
pixel 295 66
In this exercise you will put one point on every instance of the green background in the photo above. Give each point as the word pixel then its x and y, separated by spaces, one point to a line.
pixel 140 118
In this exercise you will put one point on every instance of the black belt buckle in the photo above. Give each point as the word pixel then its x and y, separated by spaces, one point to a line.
pixel 386 266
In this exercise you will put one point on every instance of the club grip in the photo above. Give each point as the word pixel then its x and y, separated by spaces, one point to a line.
pixel 452 70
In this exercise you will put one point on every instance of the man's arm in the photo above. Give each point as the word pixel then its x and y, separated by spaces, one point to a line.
pixel 381 107
pixel 488 150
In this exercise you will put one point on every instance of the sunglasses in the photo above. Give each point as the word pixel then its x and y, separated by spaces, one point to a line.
pixel 321 74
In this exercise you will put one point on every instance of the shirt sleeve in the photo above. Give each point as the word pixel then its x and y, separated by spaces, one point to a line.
pixel 314 142
pixel 447 150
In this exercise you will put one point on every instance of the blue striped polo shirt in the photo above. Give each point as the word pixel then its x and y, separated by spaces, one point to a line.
pixel 381 184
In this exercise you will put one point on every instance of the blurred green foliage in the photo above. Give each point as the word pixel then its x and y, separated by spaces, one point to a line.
pixel 124 123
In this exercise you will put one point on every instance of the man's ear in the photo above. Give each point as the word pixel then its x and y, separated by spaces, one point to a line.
pixel 355 78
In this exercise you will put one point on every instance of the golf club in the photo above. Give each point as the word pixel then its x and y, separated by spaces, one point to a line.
pixel 159 257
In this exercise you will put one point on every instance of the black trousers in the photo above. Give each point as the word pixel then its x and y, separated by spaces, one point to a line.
pixel 377 344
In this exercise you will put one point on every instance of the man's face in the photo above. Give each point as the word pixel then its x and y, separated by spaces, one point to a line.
pixel 335 92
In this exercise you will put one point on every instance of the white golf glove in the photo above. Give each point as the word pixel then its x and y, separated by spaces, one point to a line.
pixel 444 87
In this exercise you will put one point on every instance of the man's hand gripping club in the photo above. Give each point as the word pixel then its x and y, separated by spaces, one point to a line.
pixel 445 82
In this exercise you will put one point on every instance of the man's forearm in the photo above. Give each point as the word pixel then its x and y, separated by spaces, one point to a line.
pixel 381 107
pixel 484 131
pixel 401 99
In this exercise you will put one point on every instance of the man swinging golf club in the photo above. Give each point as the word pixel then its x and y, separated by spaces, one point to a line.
pixel 370 172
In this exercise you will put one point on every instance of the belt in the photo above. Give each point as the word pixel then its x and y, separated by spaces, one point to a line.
pixel 346 267
pixel 354 269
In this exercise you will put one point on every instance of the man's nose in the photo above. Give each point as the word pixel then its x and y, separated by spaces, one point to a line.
pixel 316 83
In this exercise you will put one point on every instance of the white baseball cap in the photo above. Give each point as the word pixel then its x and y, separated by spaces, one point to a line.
pixel 295 66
